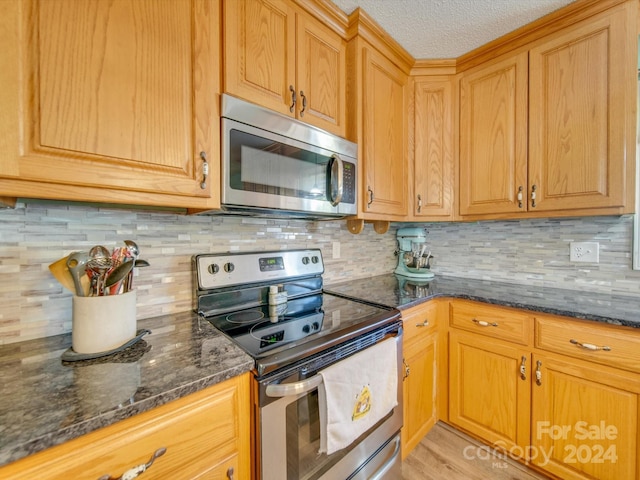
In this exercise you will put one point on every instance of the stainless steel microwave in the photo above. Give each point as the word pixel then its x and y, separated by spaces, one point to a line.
pixel 275 165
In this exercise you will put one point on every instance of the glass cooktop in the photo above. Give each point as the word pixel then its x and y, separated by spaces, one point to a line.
pixel 264 330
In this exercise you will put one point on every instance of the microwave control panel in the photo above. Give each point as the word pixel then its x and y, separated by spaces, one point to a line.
pixel 349 183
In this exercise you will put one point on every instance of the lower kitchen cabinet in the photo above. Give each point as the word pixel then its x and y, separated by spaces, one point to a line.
pixel 420 383
pixel 586 399
pixel 567 402
pixel 205 434
pixel 584 422
pixel 488 396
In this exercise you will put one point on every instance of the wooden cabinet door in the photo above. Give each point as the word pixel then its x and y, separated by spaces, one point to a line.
pixel 488 396
pixel 260 52
pixel 419 389
pixel 420 352
pixel 585 420
pixel 113 95
pixel 493 137
pixel 321 75
pixel 582 98
pixel 384 145
pixel 433 147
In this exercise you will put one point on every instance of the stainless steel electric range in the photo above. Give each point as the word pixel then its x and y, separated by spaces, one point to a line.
pixel 273 306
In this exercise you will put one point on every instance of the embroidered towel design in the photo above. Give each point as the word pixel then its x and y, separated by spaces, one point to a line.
pixel 356 393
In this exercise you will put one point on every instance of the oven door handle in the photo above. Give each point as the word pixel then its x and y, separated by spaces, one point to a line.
pixel 389 463
pixel 296 388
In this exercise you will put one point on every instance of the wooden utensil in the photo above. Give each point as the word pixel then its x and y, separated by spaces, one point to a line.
pixel 61 272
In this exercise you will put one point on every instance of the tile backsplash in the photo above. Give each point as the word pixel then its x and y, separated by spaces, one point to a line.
pixel 33 235
pixel 536 252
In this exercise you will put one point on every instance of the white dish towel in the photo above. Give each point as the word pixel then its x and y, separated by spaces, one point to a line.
pixel 355 393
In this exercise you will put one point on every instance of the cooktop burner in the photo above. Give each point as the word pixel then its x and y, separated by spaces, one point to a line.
pixel 249 316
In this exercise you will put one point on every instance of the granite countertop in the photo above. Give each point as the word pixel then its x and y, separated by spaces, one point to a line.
pixel 399 292
pixel 45 401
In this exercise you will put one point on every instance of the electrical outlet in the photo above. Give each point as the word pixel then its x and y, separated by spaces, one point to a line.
pixel 588 252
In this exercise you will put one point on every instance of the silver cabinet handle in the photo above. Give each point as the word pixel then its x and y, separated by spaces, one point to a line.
pixel 370 196
pixel 423 324
pixel 230 473
pixel 520 196
pixel 482 323
pixel 523 368
pixel 538 373
pixel 406 369
pixel 590 346
pixel 293 98
pixel 135 471
pixel 205 169
pixel 336 180
pixel 533 196
pixel 304 103
pixel 419 203
pixel 296 388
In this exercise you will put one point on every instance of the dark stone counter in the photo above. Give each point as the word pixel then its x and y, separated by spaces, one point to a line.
pixel 45 401
pixel 402 293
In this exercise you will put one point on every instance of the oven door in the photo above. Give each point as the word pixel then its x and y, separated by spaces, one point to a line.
pixel 289 427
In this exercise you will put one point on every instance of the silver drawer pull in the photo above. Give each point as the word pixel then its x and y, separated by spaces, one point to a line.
pixel 135 471
pixel 423 324
pixel 590 346
pixel 482 323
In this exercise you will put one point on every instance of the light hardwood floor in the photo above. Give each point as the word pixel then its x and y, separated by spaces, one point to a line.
pixel 447 454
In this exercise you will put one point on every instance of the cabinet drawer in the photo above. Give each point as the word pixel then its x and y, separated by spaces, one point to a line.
pixel 600 343
pixel 419 321
pixel 202 433
pixel 497 322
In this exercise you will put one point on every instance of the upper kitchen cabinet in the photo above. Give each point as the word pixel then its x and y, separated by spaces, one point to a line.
pixel 582 93
pixel 378 96
pixel 550 129
pixel 493 137
pixel 111 101
pixel 279 56
pixel 432 164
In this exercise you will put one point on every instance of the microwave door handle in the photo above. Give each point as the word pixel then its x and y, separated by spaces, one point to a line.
pixel 337 174
pixel 296 388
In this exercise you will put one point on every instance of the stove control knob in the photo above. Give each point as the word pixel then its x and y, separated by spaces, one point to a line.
pixel 229 267
pixel 315 259
pixel 306 329
pixel 315 325
pixel 305 260
pixel 213 268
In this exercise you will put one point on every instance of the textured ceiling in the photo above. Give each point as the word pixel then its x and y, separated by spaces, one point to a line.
pixel 432 29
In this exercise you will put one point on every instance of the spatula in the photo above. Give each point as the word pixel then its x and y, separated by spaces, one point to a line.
pixel 61 272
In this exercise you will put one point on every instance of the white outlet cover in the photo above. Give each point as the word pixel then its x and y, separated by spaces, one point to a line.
pixel 586 252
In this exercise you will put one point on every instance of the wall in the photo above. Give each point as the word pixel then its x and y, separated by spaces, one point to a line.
pixel 526 251
pixel 536 252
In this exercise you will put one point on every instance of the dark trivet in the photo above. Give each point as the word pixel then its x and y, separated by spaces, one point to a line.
pixel 70 356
